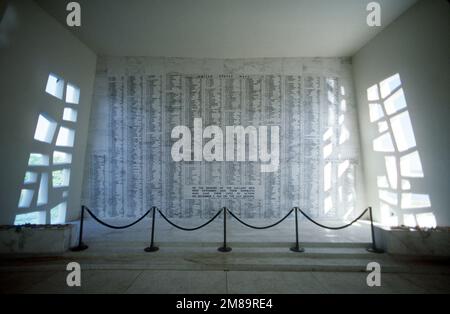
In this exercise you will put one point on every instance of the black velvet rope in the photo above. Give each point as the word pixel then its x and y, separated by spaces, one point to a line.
pixel 190 229
pixel 117 227
pixel 333 228
pixel 260 228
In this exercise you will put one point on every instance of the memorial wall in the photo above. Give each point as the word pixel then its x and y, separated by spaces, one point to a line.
pixel 139 101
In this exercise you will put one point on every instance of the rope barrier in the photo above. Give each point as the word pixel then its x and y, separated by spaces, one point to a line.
pixel 261 228
pixel 190 229
pixel 117 227
pixel 333 228
pixel 152 248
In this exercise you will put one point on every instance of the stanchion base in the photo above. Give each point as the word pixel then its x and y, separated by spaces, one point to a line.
pixel 79 248
pixel 224 249
pixel 297 249
pixel 374 250
pixel 151 249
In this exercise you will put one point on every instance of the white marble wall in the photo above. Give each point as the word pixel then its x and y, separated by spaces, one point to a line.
pixel 138 101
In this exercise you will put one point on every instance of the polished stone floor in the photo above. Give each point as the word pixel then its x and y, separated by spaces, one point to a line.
pixel 209 282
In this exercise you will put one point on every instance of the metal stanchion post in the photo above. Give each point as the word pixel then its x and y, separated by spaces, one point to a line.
pixel 152 247
pixel 373 248
pixel 297 247
pixel 224 248
pixel 81 246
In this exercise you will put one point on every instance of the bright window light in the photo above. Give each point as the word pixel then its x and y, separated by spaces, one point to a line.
pixel 403 131
pixel 327 150
pixel 327 177
pixel 35 218
pixel 382 182
pixel 409 220
pixel 26 196
pixel 66 137
pixel 391 167
pixel 70 115
pixel 62 158
pixel 43 190
pixel 72 94
pixel 343 167
pixel 389 85
pixel 30 177
pixel 61 178
pixel 38 160
pixel 45 129
pixel 55 86
pixel 412 200
pixel 383 143
pixel 426 220
pixel 328 204
pixel 382 126
pixel 345 135
pixel 396 102
pixel 411 166
pixel 375 112
pixel 388 197
pixel 372 93
pixel 58 214
pixel 406 185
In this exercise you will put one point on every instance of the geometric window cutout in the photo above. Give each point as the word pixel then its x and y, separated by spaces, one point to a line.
pixel 412 200
pixel 410 166
pixel 70 115
pixel 328 134
pixel 328 204
pixel 341 119
pixel 409 220
pixel 327 150
pixel 72 94
pixel 61 178
pixel 403 131
pixel 383 143
pixel 382 182
pixel 343 166
pixel 343 105
pixel 66 137
pixel 30 177
pixel 389 85
pixel 387 215
pixel 55 86
pixel 345 135
pixel 26 196
pixel 35 218
pixel 342 90
pixel 327 177
pixel 65 194
pixel 45 129
pixel 406 185
pixel 375 112
pixel 58 214
pixel 426 220
pixel 382 126
pixel 61 158
pixel 391 170
pixel 395 103
pixel 372 93
pixel 38 160
pixel 43 190
pixel 388 197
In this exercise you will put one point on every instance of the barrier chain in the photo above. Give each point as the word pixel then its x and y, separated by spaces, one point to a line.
pixel 224 248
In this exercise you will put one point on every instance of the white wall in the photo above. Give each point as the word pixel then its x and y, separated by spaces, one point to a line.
pixel 32 45
pixel 417 46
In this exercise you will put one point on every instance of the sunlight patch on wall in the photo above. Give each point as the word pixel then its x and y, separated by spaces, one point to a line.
pixel 45 202
pixel 401 203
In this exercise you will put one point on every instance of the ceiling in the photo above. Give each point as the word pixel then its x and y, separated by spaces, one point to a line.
pixel 226 28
